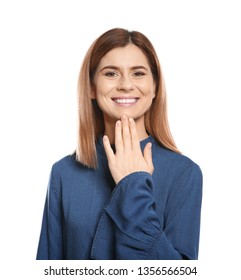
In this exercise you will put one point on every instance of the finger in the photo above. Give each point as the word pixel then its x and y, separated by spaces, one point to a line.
pixel 148 157
pixel 118 137
pixel 108 150
pixel 134 136
pixel 126 133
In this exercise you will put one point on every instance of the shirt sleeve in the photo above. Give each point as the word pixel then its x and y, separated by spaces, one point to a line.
pixel 138 230
pixel 50 241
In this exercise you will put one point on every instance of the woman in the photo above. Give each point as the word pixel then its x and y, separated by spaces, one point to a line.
pixel 127 192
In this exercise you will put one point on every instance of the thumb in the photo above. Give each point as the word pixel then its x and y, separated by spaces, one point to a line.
pixel 148 157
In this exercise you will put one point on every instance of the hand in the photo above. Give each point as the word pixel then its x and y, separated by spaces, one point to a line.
pixel 128 157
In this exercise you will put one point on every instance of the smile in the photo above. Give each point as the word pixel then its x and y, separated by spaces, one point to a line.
pixel 125 101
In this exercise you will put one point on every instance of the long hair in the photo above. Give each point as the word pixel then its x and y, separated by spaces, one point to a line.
pixel 90 117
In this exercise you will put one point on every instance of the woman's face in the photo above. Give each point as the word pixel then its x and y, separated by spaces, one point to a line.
pixel 124 84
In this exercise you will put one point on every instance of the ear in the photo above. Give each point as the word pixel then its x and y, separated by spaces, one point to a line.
pixel 93 93
pixel 154 91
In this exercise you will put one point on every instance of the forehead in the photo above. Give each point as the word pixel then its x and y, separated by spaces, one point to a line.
pixel 129 55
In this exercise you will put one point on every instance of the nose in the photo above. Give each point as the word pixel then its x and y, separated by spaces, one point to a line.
pixel 125 84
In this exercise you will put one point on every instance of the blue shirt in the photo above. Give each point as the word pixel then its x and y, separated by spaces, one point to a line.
pixel 87 216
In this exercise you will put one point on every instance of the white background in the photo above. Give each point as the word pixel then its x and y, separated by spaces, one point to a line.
pixel 42 44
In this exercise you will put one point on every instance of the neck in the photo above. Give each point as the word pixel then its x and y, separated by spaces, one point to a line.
pixel 140 127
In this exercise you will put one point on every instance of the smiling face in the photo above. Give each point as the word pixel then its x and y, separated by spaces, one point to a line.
pixel 123 84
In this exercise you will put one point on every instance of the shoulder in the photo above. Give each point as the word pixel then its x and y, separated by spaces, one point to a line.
pixel 65 161
pixel 178 173
pixel 67 165
pixel 174 162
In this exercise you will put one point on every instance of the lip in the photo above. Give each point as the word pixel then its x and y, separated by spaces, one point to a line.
pixel 125 101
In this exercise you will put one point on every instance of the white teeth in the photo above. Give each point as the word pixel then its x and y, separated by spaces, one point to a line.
pixel 126 100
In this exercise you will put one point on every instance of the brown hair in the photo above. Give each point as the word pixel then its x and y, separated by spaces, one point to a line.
pixel 91 123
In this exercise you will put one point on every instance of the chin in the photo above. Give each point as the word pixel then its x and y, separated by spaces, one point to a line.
pixel 115 116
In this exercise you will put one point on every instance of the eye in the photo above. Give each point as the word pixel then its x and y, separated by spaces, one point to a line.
pixel 139 74
pixel 111 74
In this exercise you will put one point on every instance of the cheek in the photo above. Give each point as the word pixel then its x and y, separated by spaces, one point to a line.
pixel 103 89
pixel 148 88
pixel 149 92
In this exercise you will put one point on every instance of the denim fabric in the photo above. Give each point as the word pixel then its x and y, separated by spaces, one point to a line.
pixel 87 216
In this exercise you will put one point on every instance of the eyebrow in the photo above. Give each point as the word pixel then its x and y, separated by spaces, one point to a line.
pixel 118 68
